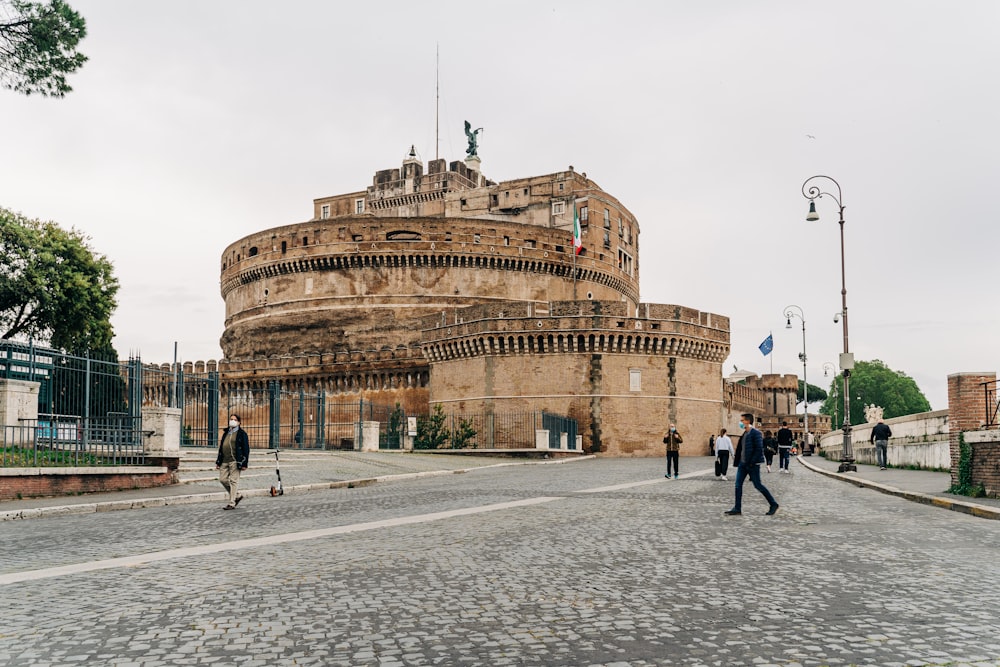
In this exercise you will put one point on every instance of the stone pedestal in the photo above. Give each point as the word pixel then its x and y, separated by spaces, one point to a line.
pixel 165 425
pixel 18 402
pixel 369 440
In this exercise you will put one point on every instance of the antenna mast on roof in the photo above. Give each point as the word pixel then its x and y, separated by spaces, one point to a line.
pixel 437 98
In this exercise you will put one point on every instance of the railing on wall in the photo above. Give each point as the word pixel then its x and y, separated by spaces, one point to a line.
pixel 991 402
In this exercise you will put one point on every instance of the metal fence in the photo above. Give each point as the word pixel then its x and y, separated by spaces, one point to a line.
pixel 494 430
pixel 89 409
pixel 275 417
pixel 64 441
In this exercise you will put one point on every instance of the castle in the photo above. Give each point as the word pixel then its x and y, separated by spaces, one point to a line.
pixel 442 287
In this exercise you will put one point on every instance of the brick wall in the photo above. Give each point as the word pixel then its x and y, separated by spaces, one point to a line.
pixel 30 484
pixel 966 409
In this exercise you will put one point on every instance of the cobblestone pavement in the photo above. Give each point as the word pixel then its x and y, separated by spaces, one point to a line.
pixel 587 562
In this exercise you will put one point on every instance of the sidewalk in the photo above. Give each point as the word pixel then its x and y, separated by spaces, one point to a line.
pixel 922 486
pixel 304 470
pixel 301 471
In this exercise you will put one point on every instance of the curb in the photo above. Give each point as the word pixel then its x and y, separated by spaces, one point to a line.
pixel 981 511
pixel 221 496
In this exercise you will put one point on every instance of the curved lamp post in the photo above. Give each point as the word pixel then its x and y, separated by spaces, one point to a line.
pixel 812 190
pixel 828 366
pixel 789 314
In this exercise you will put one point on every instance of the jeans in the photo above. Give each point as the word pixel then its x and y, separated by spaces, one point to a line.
pixel 783 455
pixel 753 470
pixel 881 453
pixel 675 457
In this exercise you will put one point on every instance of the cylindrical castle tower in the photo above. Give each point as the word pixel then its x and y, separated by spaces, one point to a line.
pixel 367 268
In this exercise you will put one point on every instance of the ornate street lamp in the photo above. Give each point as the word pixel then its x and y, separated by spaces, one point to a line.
pixel 789 314
pixel 812 193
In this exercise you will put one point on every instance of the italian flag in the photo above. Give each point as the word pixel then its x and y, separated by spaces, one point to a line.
pixel 577 238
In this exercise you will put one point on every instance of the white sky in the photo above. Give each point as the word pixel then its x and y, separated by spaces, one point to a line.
pixel 196 123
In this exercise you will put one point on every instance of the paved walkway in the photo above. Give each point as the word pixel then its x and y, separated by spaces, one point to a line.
pixel 304 470
pixel 301 470
pixel 923 486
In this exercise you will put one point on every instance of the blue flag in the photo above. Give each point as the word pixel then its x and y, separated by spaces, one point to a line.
pixel 767 345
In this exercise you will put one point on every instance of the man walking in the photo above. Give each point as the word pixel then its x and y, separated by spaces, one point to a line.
pixel 749 466
pixel 784 446
pixel 880 436
pixel 672 439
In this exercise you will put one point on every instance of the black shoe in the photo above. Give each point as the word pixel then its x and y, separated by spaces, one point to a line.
pixel 772 509
pixel 229 507
pixel 733 512
pixel 238 499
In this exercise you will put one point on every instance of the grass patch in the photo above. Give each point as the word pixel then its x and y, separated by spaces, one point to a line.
pixel 20 457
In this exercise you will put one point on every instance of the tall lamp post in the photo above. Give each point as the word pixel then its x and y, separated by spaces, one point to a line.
pixel 812 190
pixel 789 314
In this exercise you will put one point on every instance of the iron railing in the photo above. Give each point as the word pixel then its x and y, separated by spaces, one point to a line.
pixel 68 441
pixel 503 430
pixel 991 402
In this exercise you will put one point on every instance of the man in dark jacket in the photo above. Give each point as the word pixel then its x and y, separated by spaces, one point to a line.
pixel 233 458
pixel 749 465
pixel 880 436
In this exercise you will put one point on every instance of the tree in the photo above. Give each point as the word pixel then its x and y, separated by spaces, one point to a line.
pixel 38 46
pixel 874 383
pixel 431 430
pixel 815 393
pixel 53 287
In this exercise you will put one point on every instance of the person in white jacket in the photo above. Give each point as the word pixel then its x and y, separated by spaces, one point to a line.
pixel 723 450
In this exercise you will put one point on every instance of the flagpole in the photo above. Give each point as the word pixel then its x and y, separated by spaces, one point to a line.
pixel 770 334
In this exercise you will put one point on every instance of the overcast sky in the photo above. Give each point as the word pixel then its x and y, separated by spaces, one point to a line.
pixel 196 123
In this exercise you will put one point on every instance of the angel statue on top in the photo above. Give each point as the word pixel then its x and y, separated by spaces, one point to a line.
pixel 473 144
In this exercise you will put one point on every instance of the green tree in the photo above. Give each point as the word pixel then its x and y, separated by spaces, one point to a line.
pixel 462 435
pixel 815 393
pixel 38 42
pixel 872 382
pixel 431 430
pixel 53 287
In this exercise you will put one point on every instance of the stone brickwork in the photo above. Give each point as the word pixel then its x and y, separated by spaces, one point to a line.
pixel 967 409
pixel 623 378
pixel 438 285
pixel 35 482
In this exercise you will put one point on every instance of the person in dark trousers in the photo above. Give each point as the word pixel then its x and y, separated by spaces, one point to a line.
pixel 784 446
pixel 749 466
pixel 233 458
pixel 880 436
pixel 672 439
pixel 770 448
pixel 723 450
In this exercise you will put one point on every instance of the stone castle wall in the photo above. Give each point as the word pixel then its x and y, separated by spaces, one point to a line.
pixel 623 378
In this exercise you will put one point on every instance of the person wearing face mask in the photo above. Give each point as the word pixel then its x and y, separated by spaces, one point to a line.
pixel 234 457
pixel 752 456
pixel 672 439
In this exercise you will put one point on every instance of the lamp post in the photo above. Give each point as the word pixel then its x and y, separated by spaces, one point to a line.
pixel 812 193
pixel 789 314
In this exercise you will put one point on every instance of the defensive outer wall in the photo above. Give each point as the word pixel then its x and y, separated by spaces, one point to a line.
pixel 623 374
pixel 355 301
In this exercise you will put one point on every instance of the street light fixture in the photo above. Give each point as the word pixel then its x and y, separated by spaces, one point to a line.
pixel 789 314
pixel 812 193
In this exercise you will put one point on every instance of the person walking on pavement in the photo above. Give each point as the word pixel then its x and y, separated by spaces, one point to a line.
pixel 749 466
pixel 723 449
pixel 784 446
pixel 880 436
pixel 672 439
pixel 770 448
pixel 234 457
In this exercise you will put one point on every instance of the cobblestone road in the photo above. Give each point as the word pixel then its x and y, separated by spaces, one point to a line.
pixel 595 562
